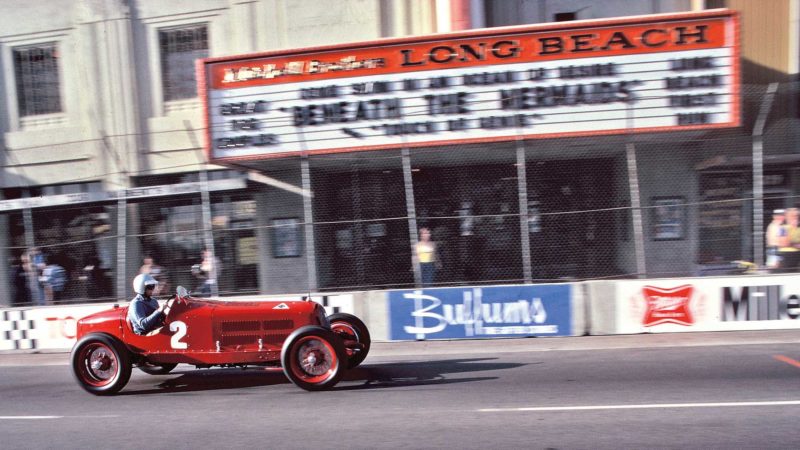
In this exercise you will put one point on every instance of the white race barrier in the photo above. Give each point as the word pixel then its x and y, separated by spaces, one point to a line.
pixel 54 327
pixel 758 302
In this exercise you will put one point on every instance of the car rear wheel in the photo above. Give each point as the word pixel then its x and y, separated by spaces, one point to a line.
pixel 100 364
pixel 313 358
pixel 156 369
pixel 355 337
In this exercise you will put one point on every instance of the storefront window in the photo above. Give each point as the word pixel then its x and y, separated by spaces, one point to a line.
pixel 235 244
pixel 173 239
pixel 76 252
pixel 472 213
pixel 360 225
pixel 576 227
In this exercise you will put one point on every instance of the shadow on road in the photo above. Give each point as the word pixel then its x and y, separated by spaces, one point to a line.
pixel 211 379
pixel 369 376
pixel 420 373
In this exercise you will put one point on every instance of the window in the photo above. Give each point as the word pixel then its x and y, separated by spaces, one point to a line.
pixel 180 47
pixel 36 72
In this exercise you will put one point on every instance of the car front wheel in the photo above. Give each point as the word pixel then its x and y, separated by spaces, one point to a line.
pixel 313 358
pixel 100 364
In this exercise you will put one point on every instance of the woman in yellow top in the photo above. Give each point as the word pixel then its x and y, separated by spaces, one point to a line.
pixel 425 252
pixel 789 241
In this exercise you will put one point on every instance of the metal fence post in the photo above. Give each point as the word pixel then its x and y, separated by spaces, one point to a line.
pixel 525 237
pixel 411 212
pixel 308 218
pixel 208 233
pixel 636 210
pixel 758 175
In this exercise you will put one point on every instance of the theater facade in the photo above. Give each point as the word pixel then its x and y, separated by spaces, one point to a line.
pixel 546 152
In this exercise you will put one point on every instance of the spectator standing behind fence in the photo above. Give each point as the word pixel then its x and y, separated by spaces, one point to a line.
pixel 426 254
pixel 149 267
pixel 33 264
pixel 774 232
pixel 207 271
pixel 789 241
pixel 54 280
pixel 19 281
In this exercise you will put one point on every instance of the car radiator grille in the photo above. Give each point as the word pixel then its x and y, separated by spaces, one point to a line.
pixel 248 332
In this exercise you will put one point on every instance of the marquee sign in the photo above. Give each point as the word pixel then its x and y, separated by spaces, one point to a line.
pixel 640 74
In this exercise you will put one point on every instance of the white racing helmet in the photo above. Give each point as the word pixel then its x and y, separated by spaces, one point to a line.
pixel 141 282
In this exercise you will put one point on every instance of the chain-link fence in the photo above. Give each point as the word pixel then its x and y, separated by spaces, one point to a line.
pixel 673 204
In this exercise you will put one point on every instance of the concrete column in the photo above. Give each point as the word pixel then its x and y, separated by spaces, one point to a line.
pixel 109 108
pixel 244 36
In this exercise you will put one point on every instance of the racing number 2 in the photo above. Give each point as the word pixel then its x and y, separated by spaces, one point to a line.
pixel 180 329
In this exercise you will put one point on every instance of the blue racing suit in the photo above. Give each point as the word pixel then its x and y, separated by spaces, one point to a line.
pixel 144 315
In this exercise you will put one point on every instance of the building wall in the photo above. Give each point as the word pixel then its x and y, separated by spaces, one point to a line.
pixel 517 12
pixel 769 54
pixel 114 119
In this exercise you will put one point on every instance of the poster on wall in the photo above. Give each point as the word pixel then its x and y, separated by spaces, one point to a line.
pixel 481 312
pixel 668 218
pixel 634 74
pixel 285 237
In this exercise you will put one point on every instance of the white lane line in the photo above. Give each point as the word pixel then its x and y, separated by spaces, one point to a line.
pixel 29 417
pixel 651 406
pixel 55 417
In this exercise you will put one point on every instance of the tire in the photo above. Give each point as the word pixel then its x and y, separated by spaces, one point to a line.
pixel 313 358
pixel 101 365
pixel 156 369
pixel 355 337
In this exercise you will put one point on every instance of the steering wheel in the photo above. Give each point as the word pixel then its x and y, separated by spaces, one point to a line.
pixel 168 308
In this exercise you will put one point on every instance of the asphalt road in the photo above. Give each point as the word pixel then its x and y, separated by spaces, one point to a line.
pixel 725 390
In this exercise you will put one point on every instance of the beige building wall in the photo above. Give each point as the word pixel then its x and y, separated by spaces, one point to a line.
pixel 770 38
pixel 114 121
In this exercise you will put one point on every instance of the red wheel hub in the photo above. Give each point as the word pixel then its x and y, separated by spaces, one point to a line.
pixel 314 360
pixel 99 364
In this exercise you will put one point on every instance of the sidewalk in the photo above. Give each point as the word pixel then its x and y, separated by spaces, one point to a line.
pixel 483 346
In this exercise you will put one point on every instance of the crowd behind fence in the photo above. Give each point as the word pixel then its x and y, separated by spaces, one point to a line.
pixel 631 205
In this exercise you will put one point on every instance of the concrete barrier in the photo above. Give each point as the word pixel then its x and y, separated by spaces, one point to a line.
pixel 757 302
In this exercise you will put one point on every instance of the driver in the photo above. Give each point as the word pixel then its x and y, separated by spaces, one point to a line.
pixel 144 313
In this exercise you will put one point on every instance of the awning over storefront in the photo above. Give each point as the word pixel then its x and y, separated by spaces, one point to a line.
pixel 129 194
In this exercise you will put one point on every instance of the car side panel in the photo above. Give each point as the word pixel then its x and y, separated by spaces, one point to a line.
pixel 187 330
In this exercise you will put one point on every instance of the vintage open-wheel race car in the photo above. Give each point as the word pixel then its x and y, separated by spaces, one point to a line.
pixel 313 349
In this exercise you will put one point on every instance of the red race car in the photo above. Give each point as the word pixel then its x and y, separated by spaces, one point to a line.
pixel 314 350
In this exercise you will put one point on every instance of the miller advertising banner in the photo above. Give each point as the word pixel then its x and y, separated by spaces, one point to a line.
pixel 708 304
pixel 640 74
pixel 481 312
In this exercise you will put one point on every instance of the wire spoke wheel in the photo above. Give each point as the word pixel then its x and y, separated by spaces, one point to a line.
pixel 100 364
pixel 316 360
pixel 313 358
